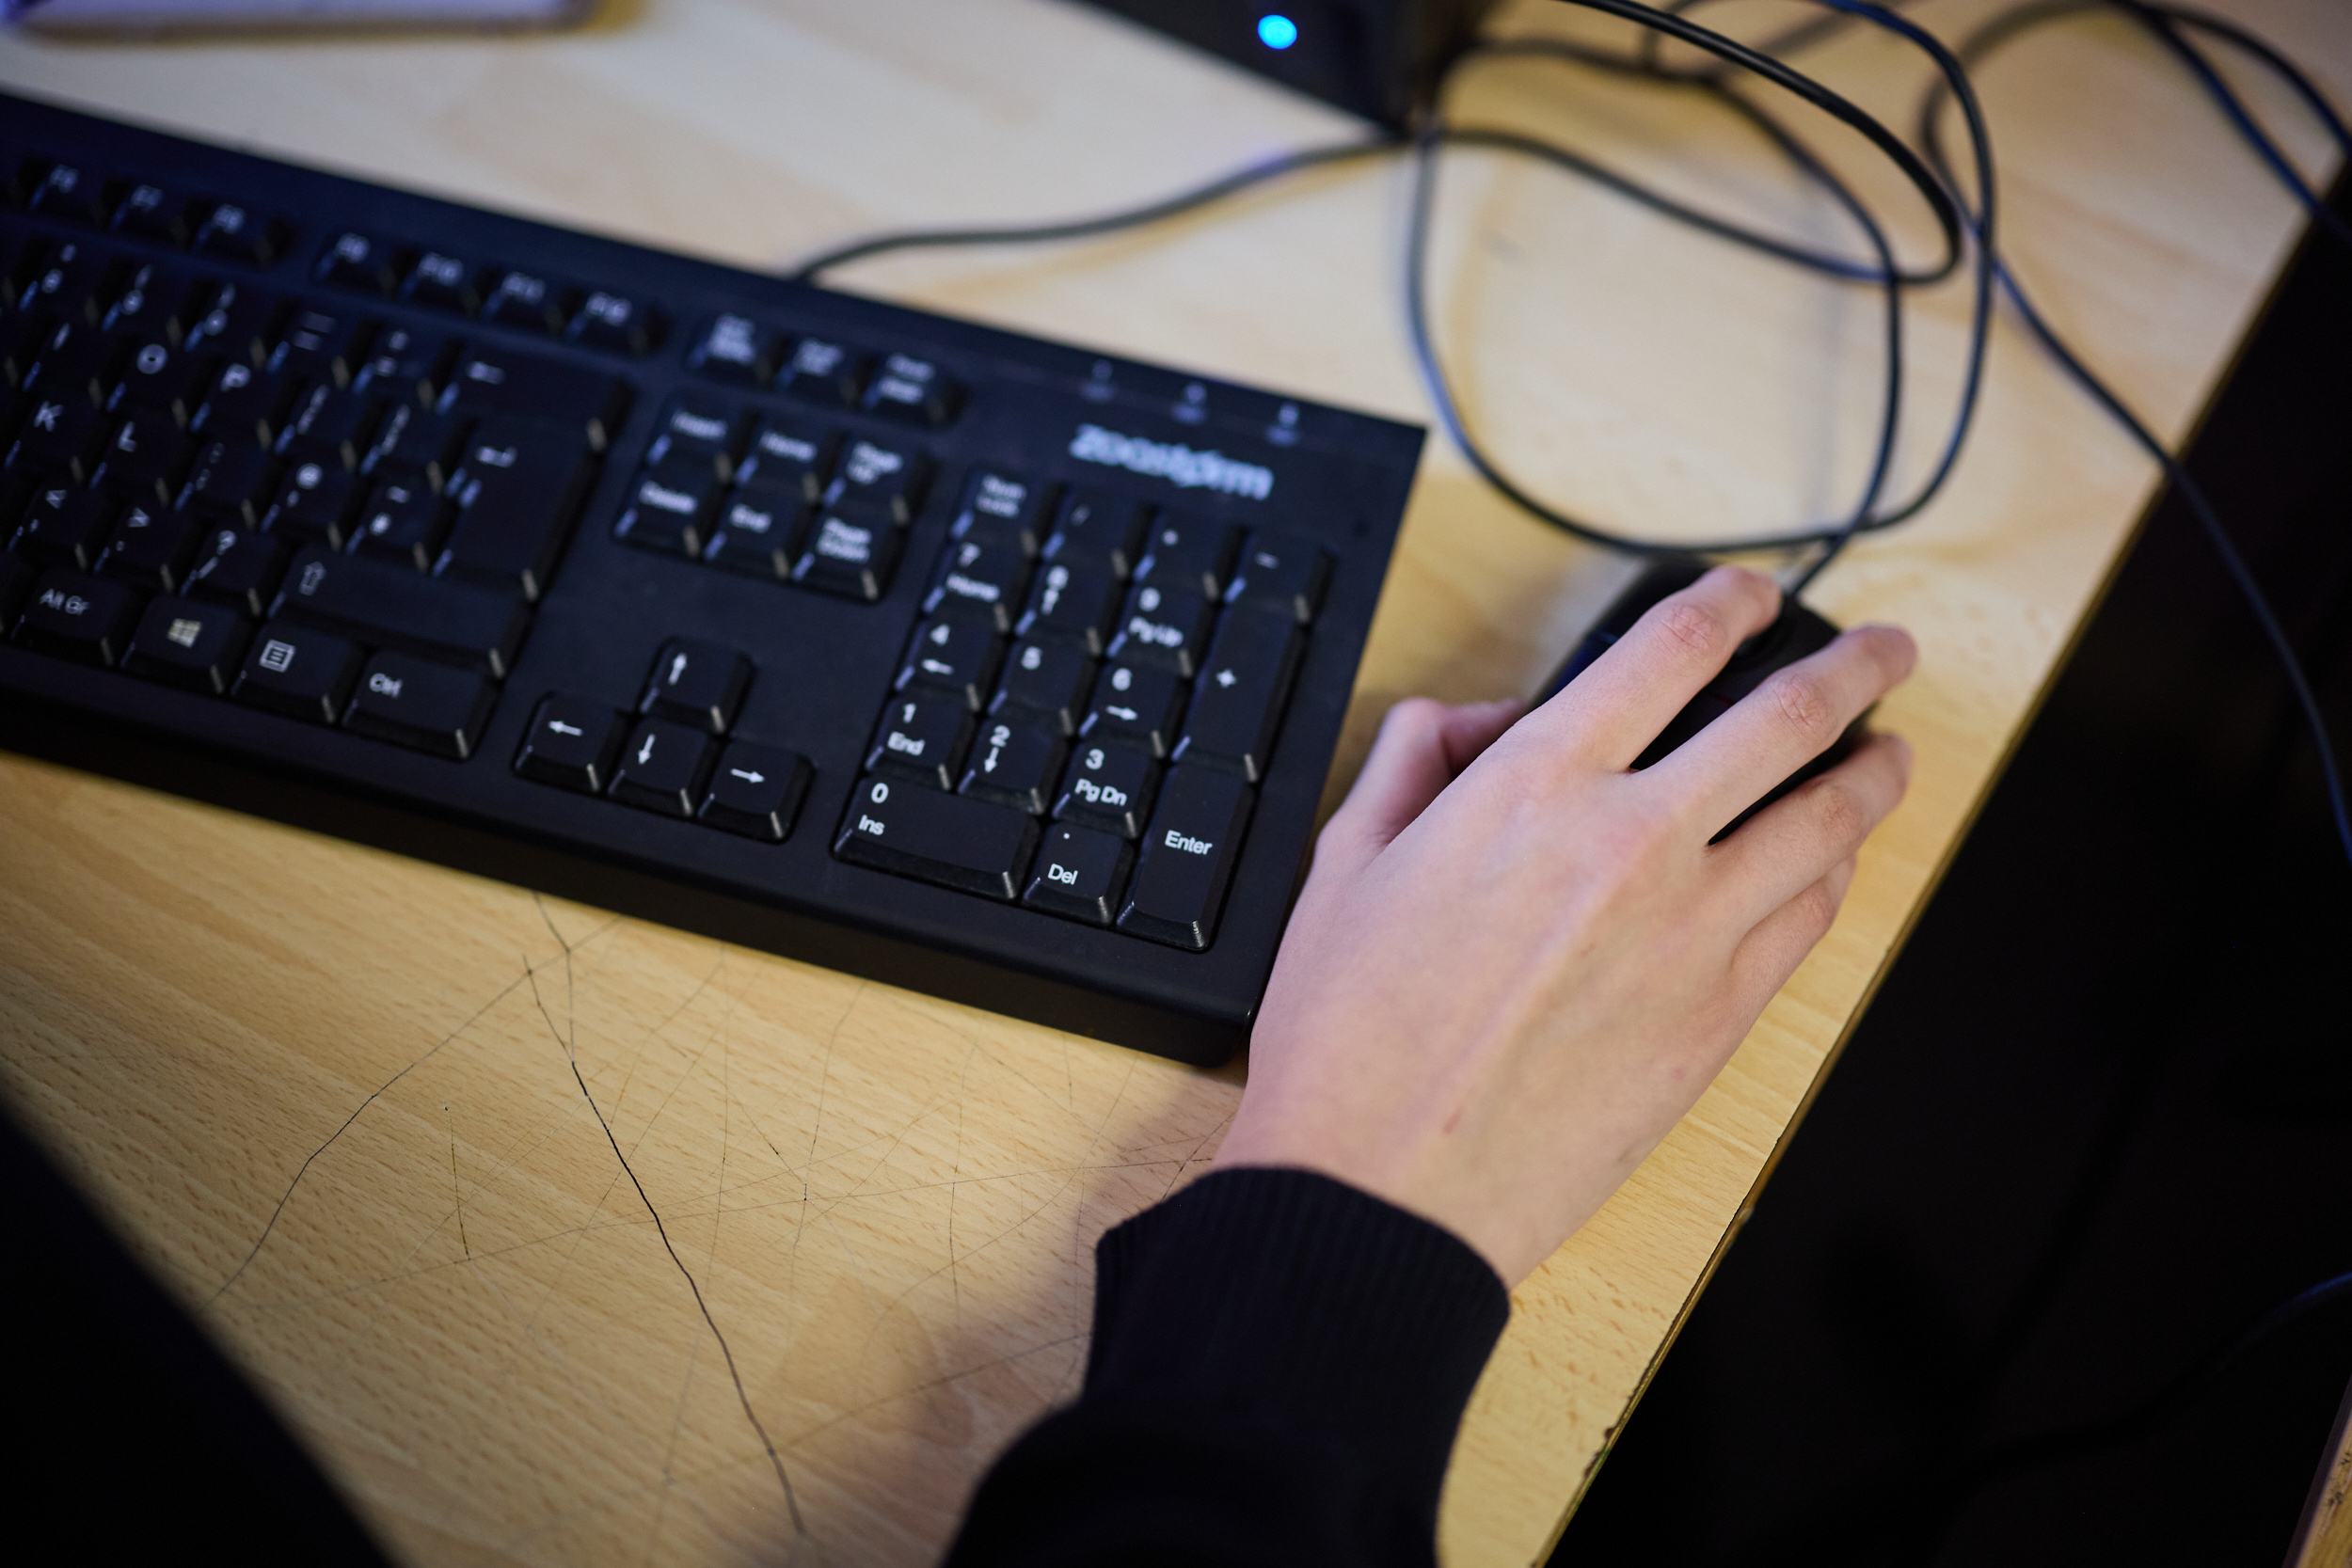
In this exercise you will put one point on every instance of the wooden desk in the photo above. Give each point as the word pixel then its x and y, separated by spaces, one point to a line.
pixel 329 1095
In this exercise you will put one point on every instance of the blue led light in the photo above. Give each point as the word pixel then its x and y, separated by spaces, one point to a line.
pixel 1277 32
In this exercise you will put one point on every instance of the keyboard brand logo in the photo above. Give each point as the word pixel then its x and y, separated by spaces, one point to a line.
pixel 1181 465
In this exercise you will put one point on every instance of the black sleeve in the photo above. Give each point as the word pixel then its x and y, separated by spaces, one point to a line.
pixel 1279 1365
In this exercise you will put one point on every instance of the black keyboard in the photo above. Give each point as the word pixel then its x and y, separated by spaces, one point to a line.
pixel 968 661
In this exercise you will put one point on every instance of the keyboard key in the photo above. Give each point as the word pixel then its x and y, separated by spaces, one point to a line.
pixel 155 302
pixel 63 527
pixel 320 345
pixel 76 365
pixel 158 376
pixel 695 429
pixel 360 261
pixel 526 299
pixel 1072 604
pixel 755 791
pixel 330 425
pixel 1187 553
pixel 57 437
pixel 1045 683
pixel 668 510
pixel 149 549
pixel 616 322
pixel 1237 702
pixel 69 193
pixel 1109 787
pixel 697 683
pixel 982 581
pixel 414 443
pixel 236 568
pixel 416 703
pixel 144 459
pixel 244 406
pixel 850 555
pixel 373 602
pixel 77 617
pixel 17 576
pixel 913 391
pixel 1104 533
pixel 790 453
pixel 1013 765
pixel 230 481
pixel 242 235
pixel 952 840
pixel 67 283
pixel 517 494
pixel 875 478
pixel 922 738
pixel 1137 706
pixel 823 371
pixel 494 381
pixel 236 322
pixel 1281 573
pixel 1002 507
pixel 313 506
pixel 1079 874
pixel 443 282
pixel 21 339
pixel 1187 858
pixel 952 655
pixel 299 673
pixel 1164 627
pixel 735 349
pixel 572 743
pixel 402 522
pixel 662 767
pixel 153 212
pixel 405 366
pixel 758 534
pixel 184 643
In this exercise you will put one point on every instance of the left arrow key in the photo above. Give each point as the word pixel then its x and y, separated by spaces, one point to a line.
pixel 572 743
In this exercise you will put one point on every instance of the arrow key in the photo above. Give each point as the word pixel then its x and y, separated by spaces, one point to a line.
pixel 662 767
pixel 572 744
pixel 697 683
pixel 755 791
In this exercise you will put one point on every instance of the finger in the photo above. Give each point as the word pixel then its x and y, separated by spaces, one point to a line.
pixel 1790 844
pixel 1767 956
pixel 1795 716
pixel 1422 745
pixel 1621 703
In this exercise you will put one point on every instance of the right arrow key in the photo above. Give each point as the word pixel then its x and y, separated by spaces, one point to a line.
pixel 755 791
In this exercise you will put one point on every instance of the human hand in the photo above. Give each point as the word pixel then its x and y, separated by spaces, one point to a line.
pixel 1515 964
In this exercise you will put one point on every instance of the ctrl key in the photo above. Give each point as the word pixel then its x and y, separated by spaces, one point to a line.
pixel 299 673
pixel 1187 858
pixel 413 702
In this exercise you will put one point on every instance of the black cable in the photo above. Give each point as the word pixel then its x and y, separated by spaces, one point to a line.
pixel 1972 51
pixel 1378 143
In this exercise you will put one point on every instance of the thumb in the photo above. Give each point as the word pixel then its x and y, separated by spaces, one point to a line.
pixel 1422 747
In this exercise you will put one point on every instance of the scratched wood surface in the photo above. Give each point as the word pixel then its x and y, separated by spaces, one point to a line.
pixel 567 1238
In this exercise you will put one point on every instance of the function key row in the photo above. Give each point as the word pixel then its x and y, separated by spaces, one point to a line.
pixel 520 297
pixel 743 352
pixel 674 755
pixel 65 191
pixel 775 494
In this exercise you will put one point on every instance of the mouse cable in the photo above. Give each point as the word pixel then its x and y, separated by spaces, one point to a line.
pixel 1885 274
pixel 2000 30
pixel 1934 185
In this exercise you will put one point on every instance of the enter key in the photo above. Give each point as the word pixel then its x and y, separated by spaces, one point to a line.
pixel 1187 858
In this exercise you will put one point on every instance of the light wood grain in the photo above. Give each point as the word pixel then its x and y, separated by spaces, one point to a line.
pixel 331 1095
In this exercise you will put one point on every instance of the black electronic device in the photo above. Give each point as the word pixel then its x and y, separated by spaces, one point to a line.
pixel 1380 58
pixel 985 665
pixel 1794 634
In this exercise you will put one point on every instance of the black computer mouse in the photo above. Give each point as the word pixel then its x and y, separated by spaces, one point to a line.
pixel 1796 633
